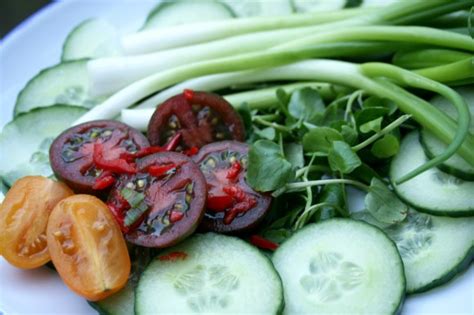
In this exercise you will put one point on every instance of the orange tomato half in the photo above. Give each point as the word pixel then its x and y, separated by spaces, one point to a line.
pixel 24 216
pixel 87 247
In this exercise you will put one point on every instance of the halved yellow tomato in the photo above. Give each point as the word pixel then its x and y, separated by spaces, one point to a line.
pixel 87 247
pixel 24 216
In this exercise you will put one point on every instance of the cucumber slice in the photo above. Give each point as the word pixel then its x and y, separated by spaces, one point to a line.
pixel 220 274
pixel 25 141
pixel 340 266
pixel 433 249
pixel 432 191
pixel 93 38
pixel 186 11
pixel 120 303
pixel 66 83
pixel 246 8
pixel 455 165
pixel 318 5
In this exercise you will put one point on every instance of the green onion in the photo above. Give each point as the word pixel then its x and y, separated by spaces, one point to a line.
pixel 137 204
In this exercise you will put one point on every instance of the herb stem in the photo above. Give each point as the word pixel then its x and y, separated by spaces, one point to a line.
pixel 263 122
pixel 321 182
pixel 396 123
pixel 312 168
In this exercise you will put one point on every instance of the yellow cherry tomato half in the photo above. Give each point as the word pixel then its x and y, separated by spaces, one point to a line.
pixel 87 247
pixel 24 216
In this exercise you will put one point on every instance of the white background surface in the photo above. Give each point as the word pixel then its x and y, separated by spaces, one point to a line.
pixel 36 44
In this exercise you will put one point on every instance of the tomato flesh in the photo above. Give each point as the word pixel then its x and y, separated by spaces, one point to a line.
pixel 172 194
pixel 23 219
pixel 88 156
pixel 87 247
pixel 232 205
pixel 198 117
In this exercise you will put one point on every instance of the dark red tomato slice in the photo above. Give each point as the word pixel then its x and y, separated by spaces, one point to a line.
pixel 86 156
pixel 162 203
pixel 232 205
pixel 199 117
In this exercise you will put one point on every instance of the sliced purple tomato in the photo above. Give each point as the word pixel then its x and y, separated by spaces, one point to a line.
pixel 87 156
pixel 199 117
pixel 232 205
pixel 162 203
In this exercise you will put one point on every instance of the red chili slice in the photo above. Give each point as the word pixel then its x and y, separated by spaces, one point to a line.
pixel 232 205
pixel 83 155
pixel 170 192
pixel 198 117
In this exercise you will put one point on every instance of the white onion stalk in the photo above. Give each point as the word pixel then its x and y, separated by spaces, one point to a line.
pixel 256 99
pixel 183 35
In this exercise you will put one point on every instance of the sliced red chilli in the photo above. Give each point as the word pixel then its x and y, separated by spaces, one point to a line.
pixel 87 156
pixel 232 205
pixel 162 203
pixel 198 117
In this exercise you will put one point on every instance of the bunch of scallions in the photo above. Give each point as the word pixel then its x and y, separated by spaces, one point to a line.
pixel 395 53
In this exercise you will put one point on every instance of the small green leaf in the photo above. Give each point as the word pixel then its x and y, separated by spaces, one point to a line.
pixel 370 113
pixel 306 104
pixel 320 139
pixel 374 101
pixel 266 133
pixel 283 99
pixel 383 204
pixel 333 197
pixel 349 134
pixel 373 125
pixel 386 147
pixel 294 154
pixel 342 159
pixel 268 169
pixel 246 115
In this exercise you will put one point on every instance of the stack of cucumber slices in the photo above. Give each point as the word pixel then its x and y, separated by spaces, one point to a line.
pixel 354 265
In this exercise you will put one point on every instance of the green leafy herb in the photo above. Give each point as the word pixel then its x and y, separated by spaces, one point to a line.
pixel 369 114
pixel 294 154
pixel 246 115
pixel 137 204
pixel 306 104
pixel 342 159
pixel 386 147
pixel 266 133
pixel 320 139
pixel 372 125
pixel 333 198
pixel 349 134
pixel 374 101
pixel 268 169
pixel 383 204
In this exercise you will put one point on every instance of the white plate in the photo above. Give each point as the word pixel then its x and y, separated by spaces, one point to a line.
pixel 36 44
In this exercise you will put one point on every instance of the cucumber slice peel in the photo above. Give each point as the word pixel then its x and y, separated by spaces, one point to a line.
pixel 433 249
pixel 219 274
pixel 66 83
pixel 455 165
pixel 433 191
pixel 340 266
pixel 93 38
pixel 25 141
pixel 168 14
pixel 248 8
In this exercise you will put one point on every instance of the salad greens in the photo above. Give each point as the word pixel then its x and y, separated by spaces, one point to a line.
pixel 327 101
